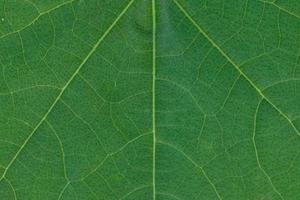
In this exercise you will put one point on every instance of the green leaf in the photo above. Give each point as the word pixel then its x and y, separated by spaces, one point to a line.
pixel 149 99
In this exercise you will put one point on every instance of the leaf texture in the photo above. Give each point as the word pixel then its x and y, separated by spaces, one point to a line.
pixel 149 99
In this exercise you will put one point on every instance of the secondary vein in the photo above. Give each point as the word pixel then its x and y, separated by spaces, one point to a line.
pixel 66 85
pixel 236 66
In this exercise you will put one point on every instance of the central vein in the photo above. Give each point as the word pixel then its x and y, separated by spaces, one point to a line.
pixel 153 93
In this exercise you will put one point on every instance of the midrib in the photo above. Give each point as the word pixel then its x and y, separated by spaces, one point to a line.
pixel 153 94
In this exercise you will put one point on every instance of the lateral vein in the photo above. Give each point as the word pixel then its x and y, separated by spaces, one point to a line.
pixel 235 65
pixel 66 86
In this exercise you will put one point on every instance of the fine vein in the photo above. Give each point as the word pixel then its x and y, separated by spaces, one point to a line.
pixel 256 153
pixel 37 18
pixel 281 8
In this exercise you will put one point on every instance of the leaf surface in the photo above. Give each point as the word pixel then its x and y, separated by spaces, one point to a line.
pixel 148 99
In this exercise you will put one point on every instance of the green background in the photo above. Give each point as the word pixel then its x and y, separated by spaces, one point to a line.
pixel 141 99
